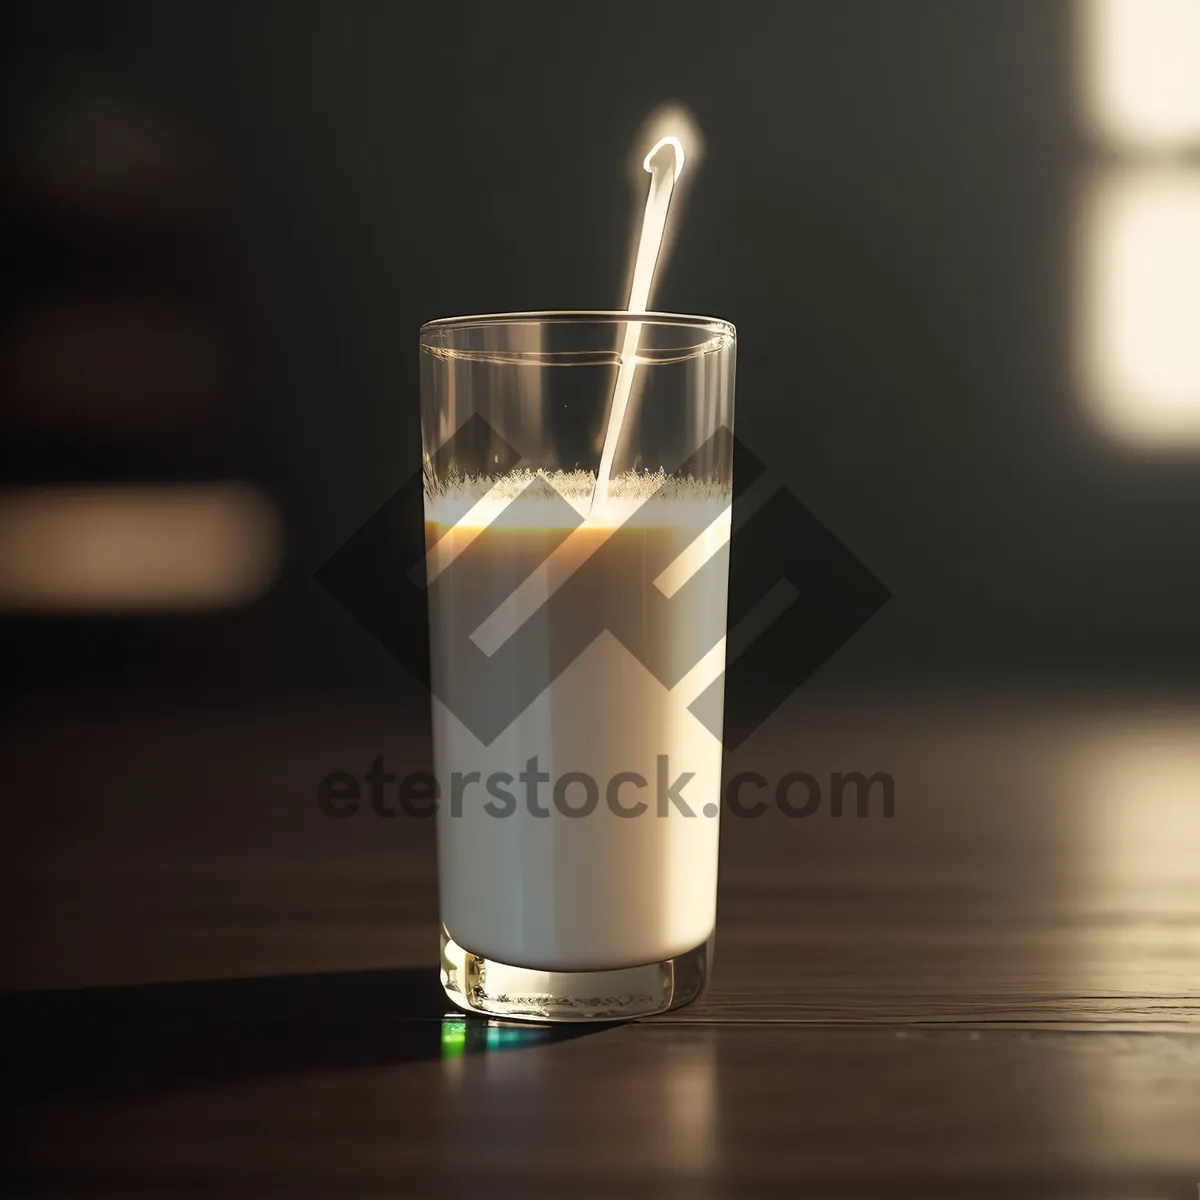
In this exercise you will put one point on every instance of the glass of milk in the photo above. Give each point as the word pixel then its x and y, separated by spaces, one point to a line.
pixel 577 655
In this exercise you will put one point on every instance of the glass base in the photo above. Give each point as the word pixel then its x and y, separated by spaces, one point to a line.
pixel 492 989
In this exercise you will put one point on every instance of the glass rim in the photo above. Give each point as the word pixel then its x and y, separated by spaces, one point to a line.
pixel 582 316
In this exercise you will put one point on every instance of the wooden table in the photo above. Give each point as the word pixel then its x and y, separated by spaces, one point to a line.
pixel 996 992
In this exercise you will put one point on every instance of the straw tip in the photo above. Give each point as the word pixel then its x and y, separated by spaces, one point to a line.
pixel 670 142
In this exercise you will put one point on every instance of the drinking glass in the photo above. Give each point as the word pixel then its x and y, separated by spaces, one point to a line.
pixel 577 655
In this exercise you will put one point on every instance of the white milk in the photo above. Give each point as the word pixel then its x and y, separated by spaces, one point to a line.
pixel 602 890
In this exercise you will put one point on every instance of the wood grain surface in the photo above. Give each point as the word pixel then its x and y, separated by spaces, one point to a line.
pixel 996 991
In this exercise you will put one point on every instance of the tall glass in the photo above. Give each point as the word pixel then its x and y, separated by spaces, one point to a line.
pixel 577 656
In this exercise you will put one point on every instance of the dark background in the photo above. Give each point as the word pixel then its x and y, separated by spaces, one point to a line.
pixel 266 200
pixel 221 227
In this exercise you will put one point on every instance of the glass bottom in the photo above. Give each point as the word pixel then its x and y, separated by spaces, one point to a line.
pixel 493 989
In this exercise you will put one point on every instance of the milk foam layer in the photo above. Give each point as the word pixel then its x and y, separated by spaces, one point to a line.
pixel 641 496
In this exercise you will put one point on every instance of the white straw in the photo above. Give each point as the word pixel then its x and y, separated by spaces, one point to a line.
pixel 654 223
